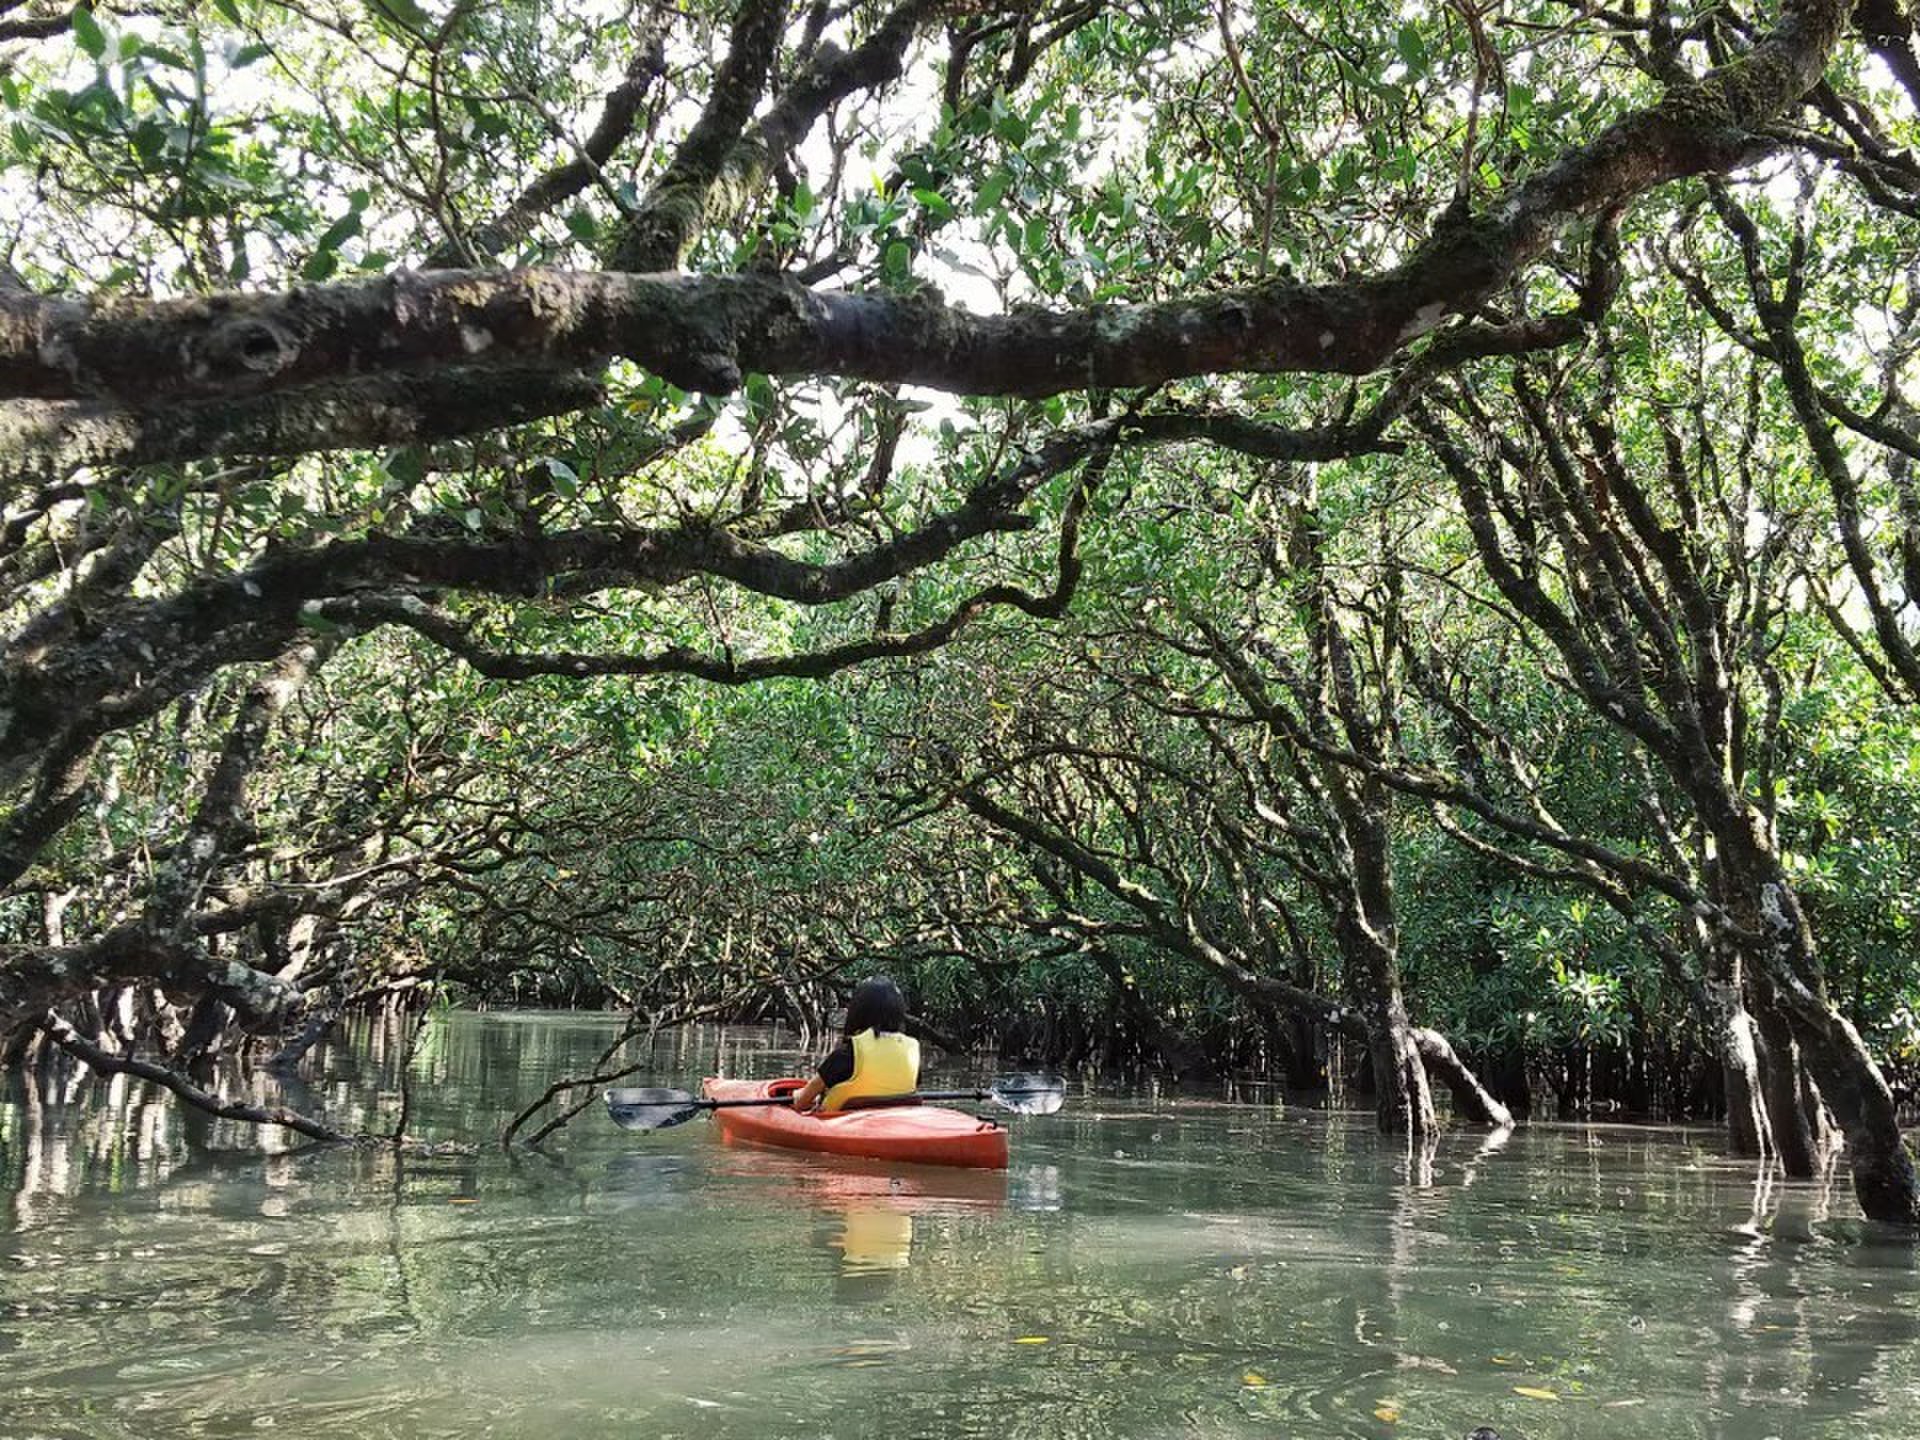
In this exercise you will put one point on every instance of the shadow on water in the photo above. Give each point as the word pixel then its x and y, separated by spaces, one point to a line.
pixel 1149 1266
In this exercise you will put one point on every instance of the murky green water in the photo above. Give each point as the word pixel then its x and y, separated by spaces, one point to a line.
pixel 1147 1268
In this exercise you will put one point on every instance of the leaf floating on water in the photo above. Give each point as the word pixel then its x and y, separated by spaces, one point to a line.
pixel 1387 1413
pixel 1534 1392
pixel 1253 1379
pixel 463 1200
pixel 1032 1339
pixel 1502 1360
pixel 1622 1404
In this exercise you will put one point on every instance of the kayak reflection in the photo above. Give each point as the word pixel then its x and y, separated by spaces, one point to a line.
pixel 876 1203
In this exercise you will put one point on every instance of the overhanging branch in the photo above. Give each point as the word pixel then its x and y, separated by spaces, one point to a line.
pixel 705 333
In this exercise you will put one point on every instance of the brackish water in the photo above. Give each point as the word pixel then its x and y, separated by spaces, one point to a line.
pixel 1151 1266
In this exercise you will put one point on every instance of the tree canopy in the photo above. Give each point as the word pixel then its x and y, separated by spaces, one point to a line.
pixel 1210 534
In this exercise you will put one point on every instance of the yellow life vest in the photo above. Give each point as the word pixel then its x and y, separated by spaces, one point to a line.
pixel 883 1066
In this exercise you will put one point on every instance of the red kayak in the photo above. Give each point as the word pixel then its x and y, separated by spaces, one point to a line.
pixel 921 1134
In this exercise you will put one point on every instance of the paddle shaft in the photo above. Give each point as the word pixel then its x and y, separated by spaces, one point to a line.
pixel 648 1108
pixel 876 1104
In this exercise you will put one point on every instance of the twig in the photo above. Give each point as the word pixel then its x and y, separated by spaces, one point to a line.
pixel 558 1088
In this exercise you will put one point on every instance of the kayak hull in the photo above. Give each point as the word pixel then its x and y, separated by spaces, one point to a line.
pixel 915 1134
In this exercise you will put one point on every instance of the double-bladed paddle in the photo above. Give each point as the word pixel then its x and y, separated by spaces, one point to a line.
pixel 1032 1093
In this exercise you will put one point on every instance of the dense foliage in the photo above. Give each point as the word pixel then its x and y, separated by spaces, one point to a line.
pixel 1368 546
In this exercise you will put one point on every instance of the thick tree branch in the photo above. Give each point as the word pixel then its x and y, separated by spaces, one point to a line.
pixel 704 333
pixel 671 217
pixel 222 812
pixel 59 436
pixel 35 977
pixel 58 796
pixel 570 177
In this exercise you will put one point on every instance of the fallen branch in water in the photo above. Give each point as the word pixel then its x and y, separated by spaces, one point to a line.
pixel 104 1062
pixel 575 1082
pixel 655 1023
pixel 565 1115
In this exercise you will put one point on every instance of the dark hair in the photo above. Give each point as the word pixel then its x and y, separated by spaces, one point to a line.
pixel 876 1005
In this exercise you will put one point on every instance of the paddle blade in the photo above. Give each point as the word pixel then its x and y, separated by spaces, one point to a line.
pixel 1030 1093
pixel 651 1109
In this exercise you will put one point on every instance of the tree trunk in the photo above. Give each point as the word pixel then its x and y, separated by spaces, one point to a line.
pixel 1402 1101
pixel 1819 1117
pixel 1737 1044
pixel 1366 928
pixel 1792 1128
pixel 1862 1104
pixel 318 1022
pixel 1836 1057
pixel 1471 1100
pixel 1749 1130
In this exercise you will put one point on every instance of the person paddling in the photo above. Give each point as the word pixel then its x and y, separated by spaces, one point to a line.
pixel 876 1060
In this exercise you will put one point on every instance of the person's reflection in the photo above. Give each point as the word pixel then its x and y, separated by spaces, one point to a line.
pixel 874 1239
pixel 877 1210
pixel 869 1208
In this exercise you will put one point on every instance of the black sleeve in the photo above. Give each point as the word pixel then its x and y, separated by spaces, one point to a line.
pixel 837 1068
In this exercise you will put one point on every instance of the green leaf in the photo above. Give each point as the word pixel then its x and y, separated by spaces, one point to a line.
pixel 149 140
pixel 87 33
pixel 566 480
pixel 407 466
pixel 343 229
pixel 935 202
pixel 1412 48
pixel 404 15
pixel 899 261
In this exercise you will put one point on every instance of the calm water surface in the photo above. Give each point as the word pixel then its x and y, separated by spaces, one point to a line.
pixel 1150 1266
